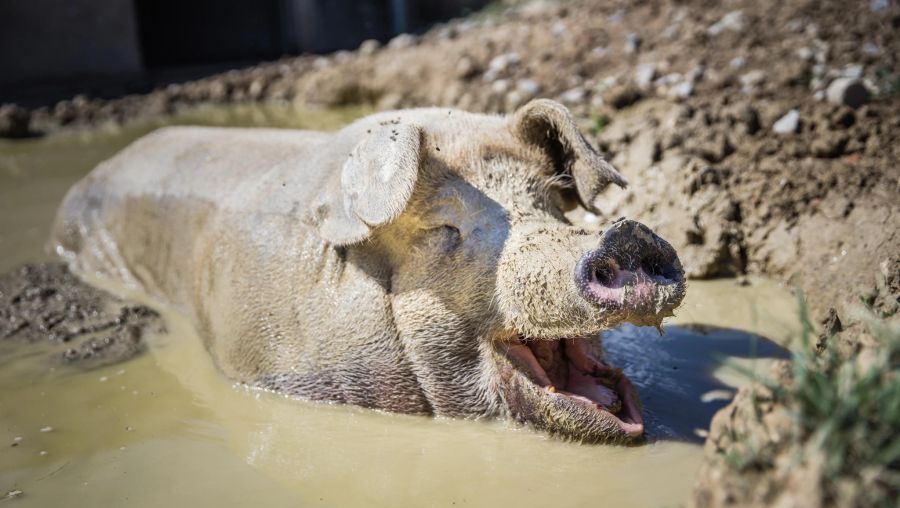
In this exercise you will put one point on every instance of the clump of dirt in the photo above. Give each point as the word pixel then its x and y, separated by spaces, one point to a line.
pixel 819 430
pixel 45 303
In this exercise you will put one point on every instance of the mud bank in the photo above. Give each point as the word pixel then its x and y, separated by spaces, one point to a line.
pixel 76 323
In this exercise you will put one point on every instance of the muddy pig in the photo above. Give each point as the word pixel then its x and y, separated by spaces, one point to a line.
pixel 416 261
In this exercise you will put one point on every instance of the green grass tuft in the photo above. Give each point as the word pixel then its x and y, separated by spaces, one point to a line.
pixel 847 413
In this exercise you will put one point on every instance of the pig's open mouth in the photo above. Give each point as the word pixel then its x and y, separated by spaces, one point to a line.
pixel 568 370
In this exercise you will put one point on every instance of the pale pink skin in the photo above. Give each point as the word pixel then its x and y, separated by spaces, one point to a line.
pixel 633 289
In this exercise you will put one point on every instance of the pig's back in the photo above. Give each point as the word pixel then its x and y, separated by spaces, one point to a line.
pixel 140 217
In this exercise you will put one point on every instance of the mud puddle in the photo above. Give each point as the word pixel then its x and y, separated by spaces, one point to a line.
pixel 167 429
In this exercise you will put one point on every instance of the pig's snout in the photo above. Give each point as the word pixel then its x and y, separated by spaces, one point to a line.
pixel 633 270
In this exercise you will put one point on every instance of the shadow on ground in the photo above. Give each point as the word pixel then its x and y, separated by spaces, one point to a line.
pixel 674 372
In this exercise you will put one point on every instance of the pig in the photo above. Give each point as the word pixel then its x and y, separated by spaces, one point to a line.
pixel 417 261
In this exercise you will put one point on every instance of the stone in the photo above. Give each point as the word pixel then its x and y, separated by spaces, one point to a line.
pixel 500 86
pixel 620 97
pixel 787 124
pixel 853 71
pixel 696 73
pixel 878 5
pixel 528 87
pixel 671 79
pixel 403 41
pixel 738 62
pixel 752 80
pixel 871 49
pixel 369 47
pixel 733 21
pixel 466 68
pixel 829 145
pixel 632 42
pixel 643 152
pixel 558 29
pixel 502 62
pixel 14 122
pixel 682 90
pixel 847 91
pixel 645 74
pixel 573 96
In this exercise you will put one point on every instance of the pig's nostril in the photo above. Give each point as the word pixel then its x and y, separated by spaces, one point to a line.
pixel 658 268
pixel 603 274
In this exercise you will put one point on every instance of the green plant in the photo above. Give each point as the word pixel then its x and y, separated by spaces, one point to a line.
pixel 846 411
pixel 599 123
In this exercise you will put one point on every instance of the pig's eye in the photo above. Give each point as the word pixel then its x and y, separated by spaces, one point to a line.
pixel 445 237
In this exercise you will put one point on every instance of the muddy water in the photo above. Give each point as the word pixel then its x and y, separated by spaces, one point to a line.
pixel 166 429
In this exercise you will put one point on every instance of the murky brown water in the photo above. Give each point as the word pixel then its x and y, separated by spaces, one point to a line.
pixel 167 429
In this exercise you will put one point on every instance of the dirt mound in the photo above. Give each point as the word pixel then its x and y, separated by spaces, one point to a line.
pixel 46 304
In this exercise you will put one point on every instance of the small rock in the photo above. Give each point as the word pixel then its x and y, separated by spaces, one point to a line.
pixel 617 16
pixel 805 54
pixel 871 49
pixel 847 91
pixel 787 124
pixel 878 5
pixel 645 74
pixel 644 151
pixel 671 79
pixel 752 80
pixel 573 96
pixel 853 71
pixel 622 96
pixel 500 86
pixel 513 100
pixel 682 90
pixel 795 25
pixel 466 68
pixel 733 21
pixel 14 121
pixel 558 29
pixel 829 145
pixel 632 42
pixel 43 453
pixel 47 429
pixel 696 73
pixel 502 62
pixel 403 41
pixel 738 62
pixel 528 87
pixel 369 47
pixel 13 493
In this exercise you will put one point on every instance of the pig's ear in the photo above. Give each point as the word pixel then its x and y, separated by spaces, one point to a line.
pixel 549 125
pixel 373 186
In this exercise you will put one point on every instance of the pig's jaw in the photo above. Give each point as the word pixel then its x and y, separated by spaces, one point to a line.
pixel 566 373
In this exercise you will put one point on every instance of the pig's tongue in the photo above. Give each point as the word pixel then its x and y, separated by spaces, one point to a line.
pixel 567 367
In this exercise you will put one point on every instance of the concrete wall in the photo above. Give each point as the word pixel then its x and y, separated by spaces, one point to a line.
pixel 52 40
